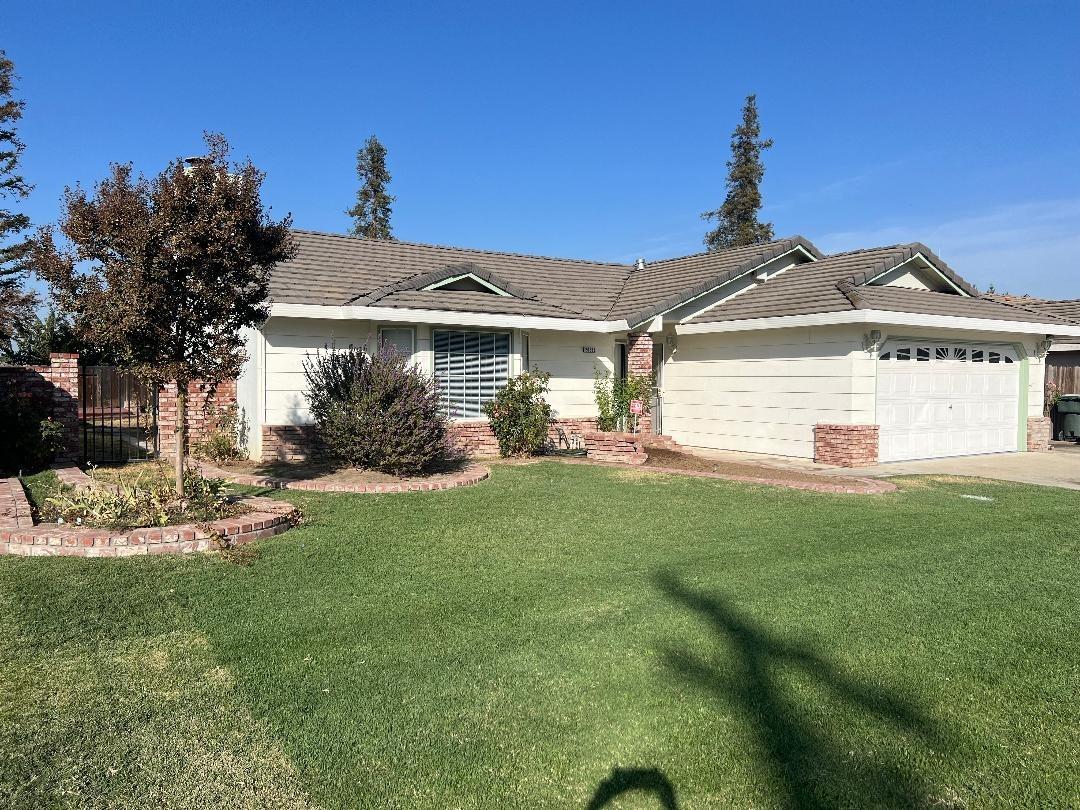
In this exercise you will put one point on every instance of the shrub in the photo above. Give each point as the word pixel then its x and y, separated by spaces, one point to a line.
pixel 228 438
pixel 614 395
pixel 376 412
pixel 32 439
pixel 519 414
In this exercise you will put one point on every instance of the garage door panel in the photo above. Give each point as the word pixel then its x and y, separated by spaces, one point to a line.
pixel 952 402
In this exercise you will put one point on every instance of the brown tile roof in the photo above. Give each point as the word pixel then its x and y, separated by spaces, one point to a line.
pixel 665 284
pixel 336 270
pixel 837 284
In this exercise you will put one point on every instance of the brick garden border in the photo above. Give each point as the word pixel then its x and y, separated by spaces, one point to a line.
pixel 20 537
pixel 471 474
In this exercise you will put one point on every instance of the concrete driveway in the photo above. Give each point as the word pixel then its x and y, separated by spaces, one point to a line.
pixel 1058 468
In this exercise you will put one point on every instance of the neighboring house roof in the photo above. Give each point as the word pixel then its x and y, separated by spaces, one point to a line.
pixel 1069 310
pixel 839 283
pixel 664 285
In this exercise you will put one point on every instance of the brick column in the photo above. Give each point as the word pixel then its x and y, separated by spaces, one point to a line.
pixel 639 364
pixel 63 373
pixel 1039 433
pixel 846 445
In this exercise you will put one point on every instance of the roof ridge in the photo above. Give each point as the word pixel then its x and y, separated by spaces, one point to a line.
pixel 794 238
pixel 898 246
pixel 484 251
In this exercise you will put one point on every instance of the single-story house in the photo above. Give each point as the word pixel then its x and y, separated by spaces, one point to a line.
pixel 873 355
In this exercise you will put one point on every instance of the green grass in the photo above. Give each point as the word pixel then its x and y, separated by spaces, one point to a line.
pixel 40 486
pixel 513 644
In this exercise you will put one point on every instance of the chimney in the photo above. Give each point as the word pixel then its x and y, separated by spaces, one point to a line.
pixel 639 264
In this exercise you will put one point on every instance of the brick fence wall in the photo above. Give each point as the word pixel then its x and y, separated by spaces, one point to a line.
pixel 846 445
pixel 55 389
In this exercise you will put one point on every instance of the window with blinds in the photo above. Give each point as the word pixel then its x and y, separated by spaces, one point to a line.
pixel 469 368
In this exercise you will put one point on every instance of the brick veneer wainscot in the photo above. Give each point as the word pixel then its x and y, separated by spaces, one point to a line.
pixel 639 364
pixel 1039 432
pixel 846 445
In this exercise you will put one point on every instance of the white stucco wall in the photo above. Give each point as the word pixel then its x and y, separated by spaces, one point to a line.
pixel 763 392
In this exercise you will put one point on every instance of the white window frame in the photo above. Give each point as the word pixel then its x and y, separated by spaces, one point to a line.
pixel 412 337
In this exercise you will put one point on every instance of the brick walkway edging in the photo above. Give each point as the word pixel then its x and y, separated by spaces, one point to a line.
pixel 471 474
pixel 867 486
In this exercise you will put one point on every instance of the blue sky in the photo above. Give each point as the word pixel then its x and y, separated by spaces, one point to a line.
pixel 591 130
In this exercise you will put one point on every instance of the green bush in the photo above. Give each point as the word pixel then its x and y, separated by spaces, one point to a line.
pixel 31 439
pixel 228 438
pixel 614 395
pixel 376 412
pixel 519 414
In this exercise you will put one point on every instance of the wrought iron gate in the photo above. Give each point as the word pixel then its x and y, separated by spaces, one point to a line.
pixel 118 412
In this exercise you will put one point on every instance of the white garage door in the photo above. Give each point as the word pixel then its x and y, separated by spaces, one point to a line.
pixel 943 399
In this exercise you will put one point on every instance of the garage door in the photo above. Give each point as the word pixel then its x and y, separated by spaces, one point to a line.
pixel 943 399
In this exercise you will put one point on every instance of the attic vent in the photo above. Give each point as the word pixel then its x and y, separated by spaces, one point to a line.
pixel 466 282
pixel 639 264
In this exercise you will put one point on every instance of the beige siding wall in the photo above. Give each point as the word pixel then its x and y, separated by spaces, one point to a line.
pixel 763 392
pixel 562 355
pixel 288 342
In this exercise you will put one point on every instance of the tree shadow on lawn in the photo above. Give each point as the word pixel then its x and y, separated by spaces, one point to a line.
pixel 812 765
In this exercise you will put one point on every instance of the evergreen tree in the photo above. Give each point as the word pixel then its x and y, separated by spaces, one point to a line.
pixel 15 302
pixel 737 219
pixel 371 213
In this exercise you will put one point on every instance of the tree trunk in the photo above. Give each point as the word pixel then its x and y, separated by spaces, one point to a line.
pixel 181 435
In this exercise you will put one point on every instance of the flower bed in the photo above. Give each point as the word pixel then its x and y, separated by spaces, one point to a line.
pixel 466 476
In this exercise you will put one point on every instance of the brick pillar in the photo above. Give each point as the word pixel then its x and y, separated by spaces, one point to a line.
pixel 1039 433
pixel 639 364
pixel 846 445
pixel 63 373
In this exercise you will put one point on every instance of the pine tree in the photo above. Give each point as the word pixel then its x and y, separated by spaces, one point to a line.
pixel 371 213
pixel 737 219
pixel 15 302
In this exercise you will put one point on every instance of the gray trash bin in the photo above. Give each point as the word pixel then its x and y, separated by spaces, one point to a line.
pixel 1068 410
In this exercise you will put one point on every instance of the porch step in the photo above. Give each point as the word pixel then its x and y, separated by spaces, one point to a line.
pixel 663 442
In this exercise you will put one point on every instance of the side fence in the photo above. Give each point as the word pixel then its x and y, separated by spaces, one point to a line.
pixel 56 387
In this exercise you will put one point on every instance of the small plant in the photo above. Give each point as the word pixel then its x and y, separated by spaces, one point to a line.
pixel 614 395
pixel 228 437
pixel 1052 395
pixel 376 412
pixel 139 502
pixel 31 438
pixel 519 414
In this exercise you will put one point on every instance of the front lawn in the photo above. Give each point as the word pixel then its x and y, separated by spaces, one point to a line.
pixel 511 644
